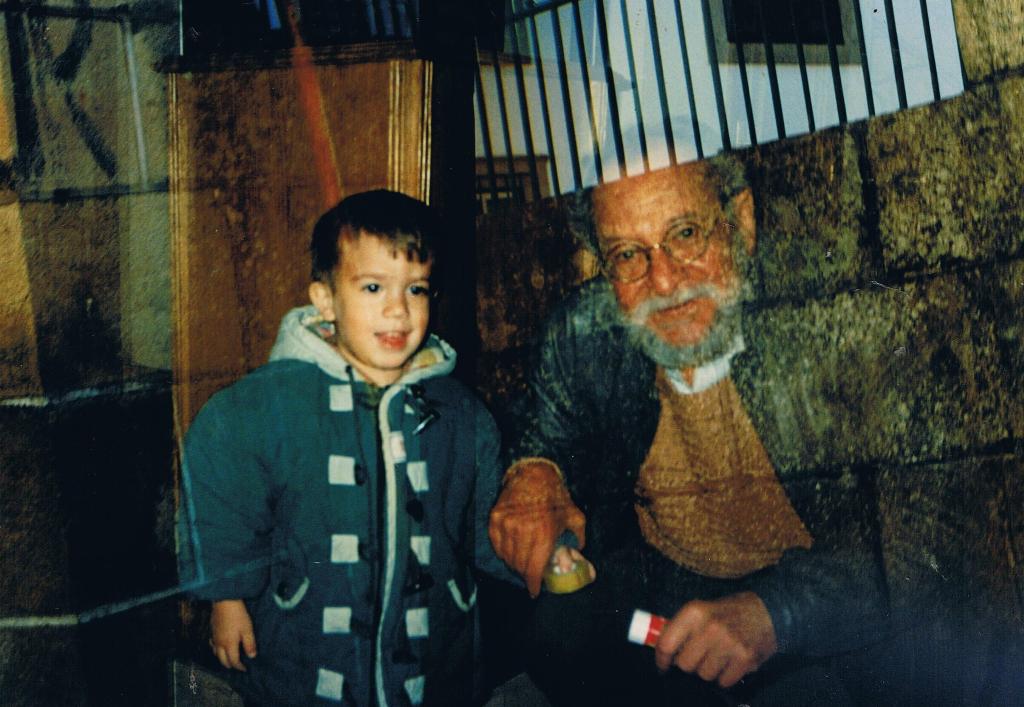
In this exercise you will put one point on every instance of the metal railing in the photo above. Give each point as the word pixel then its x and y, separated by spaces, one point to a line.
pixel 601 89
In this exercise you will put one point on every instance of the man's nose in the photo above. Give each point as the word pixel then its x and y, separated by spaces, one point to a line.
pixel 665 273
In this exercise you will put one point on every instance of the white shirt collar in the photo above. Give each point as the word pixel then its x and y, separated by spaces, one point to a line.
pixel 709 373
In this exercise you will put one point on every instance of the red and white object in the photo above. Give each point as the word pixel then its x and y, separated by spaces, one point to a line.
pixel 645 628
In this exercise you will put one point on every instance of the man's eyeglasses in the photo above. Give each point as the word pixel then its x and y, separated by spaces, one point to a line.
pixel 685 242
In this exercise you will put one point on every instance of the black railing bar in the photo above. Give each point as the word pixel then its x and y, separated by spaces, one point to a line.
pixel 545 117
pixel 587 93
pixel 745 85
pixel 552 5
pixel 716 78
pixel 802 62
pixel 659 74
pixel 524 115
pixel 506 133
pixel 773 76
pixel 930 49
pixel 690 95
pixel 634 85
pixel 378 19
pixel 609 79
pixel 833 60
pixel 894 47
pixel 396 25
pixel 868 89
pixel 409 14
pixel 570 122
pixel 485 130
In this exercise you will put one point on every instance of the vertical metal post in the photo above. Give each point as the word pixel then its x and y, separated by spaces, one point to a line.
pixel 773 76
pixel 485 130
pixel 833 57
pixel 545 116
pixel 745 85
pixel 641 132
pixel 868 91
pixel 698 143
pixel 396 18
pixel 894 47
pixel 524 114
pixel 505 132
pixel 716 78
pixel 802 61
pixel 567 101
pixel 659 75
pixel 609 78
pixel 578 24
pixel 931 49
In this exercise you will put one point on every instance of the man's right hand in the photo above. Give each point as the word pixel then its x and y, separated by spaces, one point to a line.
pixel 532 511
pixel 231 626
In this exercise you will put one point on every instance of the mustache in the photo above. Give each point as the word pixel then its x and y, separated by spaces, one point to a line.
pixel 721 296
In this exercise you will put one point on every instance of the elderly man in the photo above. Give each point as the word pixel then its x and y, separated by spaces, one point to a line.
pixel 647 414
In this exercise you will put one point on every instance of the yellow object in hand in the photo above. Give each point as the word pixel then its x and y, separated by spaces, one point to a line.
pixel 558 581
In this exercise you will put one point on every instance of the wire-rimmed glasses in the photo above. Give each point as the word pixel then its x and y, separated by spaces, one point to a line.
pixel 685 242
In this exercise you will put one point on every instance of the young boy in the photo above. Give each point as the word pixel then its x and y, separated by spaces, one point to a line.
pixel 336 499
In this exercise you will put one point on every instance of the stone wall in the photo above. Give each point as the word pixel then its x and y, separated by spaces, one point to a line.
pixel 86 485
pixel 888 273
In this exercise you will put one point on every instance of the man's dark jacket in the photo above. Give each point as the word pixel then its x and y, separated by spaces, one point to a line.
pixel 593 409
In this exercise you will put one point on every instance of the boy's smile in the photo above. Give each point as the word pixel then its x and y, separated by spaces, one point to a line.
pixel 380 305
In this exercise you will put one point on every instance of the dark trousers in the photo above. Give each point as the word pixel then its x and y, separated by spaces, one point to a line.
pixel 578 652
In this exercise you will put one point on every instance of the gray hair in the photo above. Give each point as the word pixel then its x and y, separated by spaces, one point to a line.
pixel 725 169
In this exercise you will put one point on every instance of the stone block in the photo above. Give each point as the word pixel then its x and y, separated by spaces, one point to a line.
pixel 809 207
pixel 86 505
pixel 892 372
pixel 949 568
pixel 42 667
pixel 1015 529
pixel 998 290
pixel 33 542
pixel 945 540
pixel 948 180
pixel 989 36
pixel 73 253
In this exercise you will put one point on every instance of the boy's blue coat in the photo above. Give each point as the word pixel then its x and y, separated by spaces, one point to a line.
pixel 361 591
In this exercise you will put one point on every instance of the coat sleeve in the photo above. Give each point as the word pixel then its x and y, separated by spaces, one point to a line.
pixel 485 493
pixel 224 517
pixel 830 598
pixel 547 417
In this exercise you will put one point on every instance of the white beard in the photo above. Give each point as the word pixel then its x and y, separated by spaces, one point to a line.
pixel 720 336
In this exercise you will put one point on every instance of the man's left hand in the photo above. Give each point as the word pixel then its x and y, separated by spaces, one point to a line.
pixel 720 640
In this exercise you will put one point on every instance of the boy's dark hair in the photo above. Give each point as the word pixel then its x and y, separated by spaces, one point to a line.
pixel 405 222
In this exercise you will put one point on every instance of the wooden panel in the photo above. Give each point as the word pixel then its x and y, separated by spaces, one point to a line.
pixel 245 195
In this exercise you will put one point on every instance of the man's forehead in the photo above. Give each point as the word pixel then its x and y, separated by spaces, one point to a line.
pixel 654 199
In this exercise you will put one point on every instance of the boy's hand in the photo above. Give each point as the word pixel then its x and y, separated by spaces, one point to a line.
pixel 230 625
pixel 532 511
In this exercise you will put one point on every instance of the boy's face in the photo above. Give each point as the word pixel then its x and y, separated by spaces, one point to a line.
pixel 380 305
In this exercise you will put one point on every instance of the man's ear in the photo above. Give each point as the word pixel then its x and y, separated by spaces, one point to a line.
pixel 742 206
pixel 323 299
